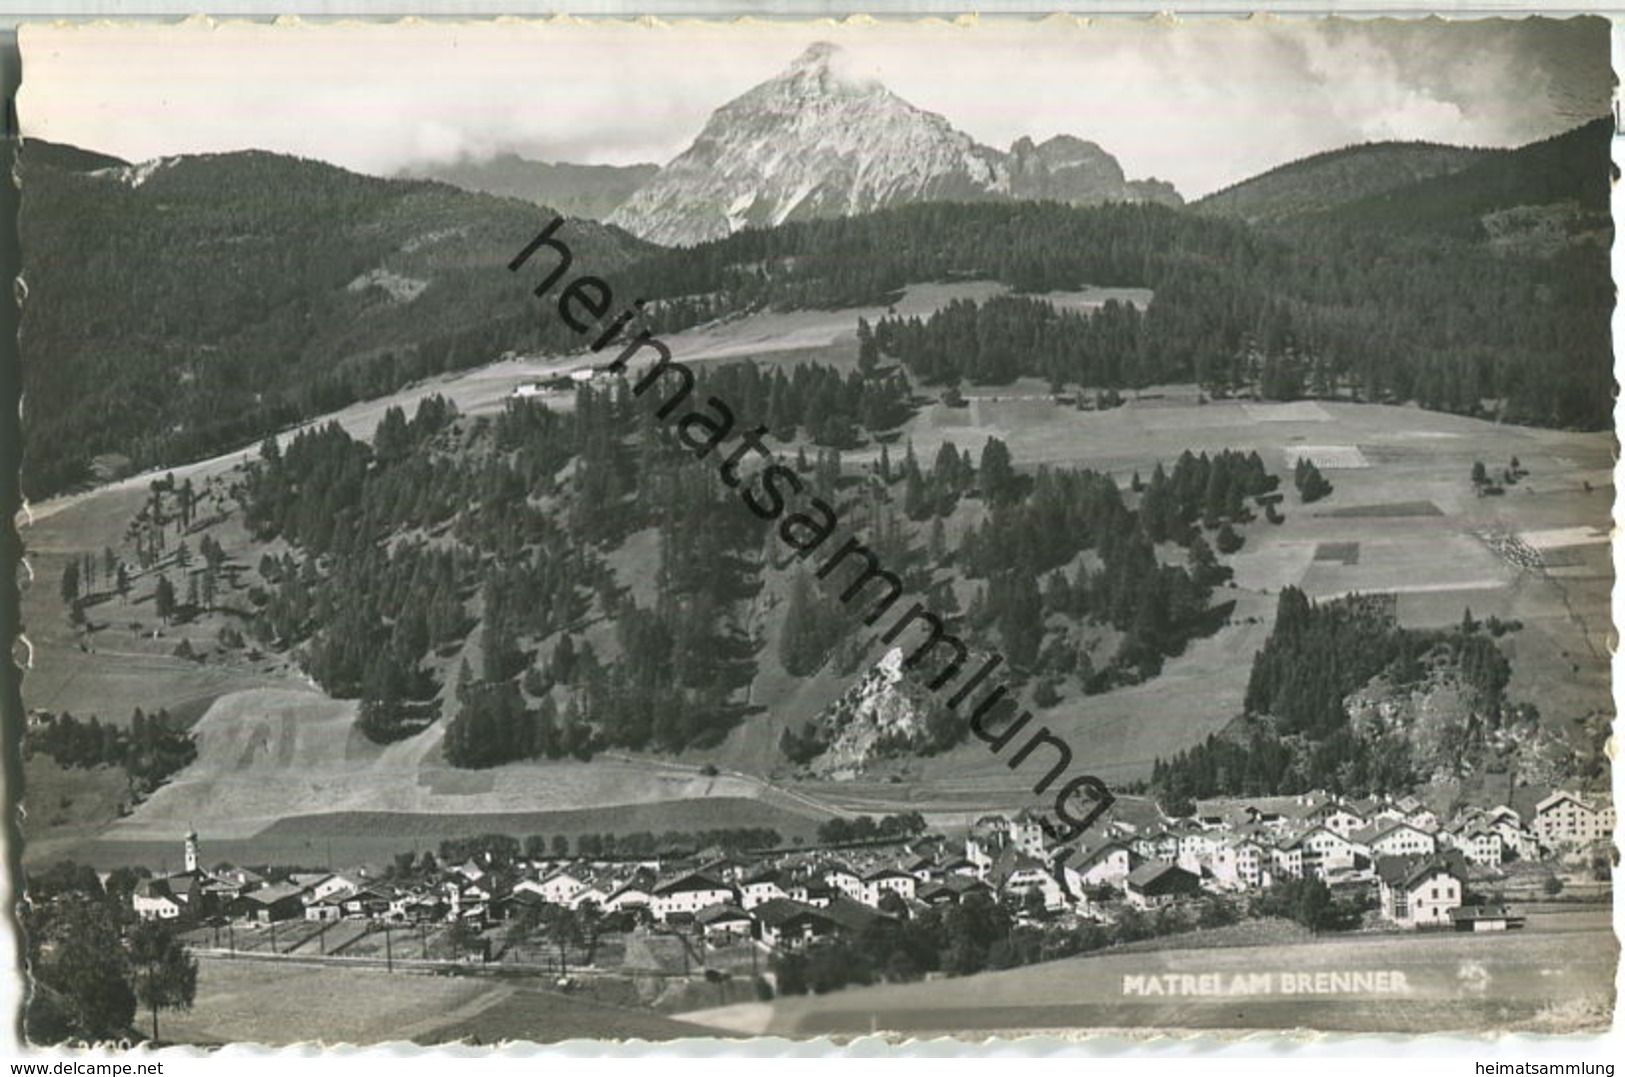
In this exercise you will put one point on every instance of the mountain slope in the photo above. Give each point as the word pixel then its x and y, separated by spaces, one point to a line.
pixel 179 307
pixel 589 191
pixel 1327 180
pixel 70 158
pixel 817 141
pixel 1572 169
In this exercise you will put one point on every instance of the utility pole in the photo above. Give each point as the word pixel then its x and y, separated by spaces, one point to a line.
pixel 389 954
pixel 231 937
pixel 273 938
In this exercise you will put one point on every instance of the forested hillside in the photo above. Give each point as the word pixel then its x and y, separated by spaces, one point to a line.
pixel 1395 298
pixel 476 571
pixel 1342 697
pixel 1328 180
pixel 183 307
pixel 190 305
pixel 1572 168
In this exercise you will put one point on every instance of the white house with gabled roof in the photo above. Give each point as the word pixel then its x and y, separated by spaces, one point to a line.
pixel 557 888
pixel 689 893
pixel 1392 837
pixel 883 880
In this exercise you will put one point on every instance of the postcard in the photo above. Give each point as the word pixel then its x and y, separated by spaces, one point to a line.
pixel 567 529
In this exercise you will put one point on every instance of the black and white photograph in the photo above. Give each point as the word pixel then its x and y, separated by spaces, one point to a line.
pixel 591 529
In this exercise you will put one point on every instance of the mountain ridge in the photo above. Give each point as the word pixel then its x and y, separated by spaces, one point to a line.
pixel 1322 181
pixel 575 190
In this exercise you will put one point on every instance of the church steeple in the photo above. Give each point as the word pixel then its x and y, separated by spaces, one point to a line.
pixel 191 851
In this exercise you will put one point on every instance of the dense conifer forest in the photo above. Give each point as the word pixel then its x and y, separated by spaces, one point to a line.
pixel 149 749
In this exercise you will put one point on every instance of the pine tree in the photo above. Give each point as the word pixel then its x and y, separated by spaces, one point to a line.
pixel 868 352
pixel 70 582
pixel 998 476
pixel 164 599
pixel 802 647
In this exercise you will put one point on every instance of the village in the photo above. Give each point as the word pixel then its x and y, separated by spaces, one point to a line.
pixel 717 912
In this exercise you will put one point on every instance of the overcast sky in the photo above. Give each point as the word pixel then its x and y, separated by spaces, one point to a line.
pixel 1203 103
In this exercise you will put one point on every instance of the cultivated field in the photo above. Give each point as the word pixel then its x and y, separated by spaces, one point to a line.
pixel 1551 979
pixel 283 775
pixel 278 1003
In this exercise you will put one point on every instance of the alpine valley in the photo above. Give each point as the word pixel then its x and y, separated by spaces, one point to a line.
pixel 315 477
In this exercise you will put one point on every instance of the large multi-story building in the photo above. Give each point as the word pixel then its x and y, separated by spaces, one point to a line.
pixel 1568 819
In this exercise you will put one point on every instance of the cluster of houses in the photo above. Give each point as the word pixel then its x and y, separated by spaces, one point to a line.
pixel 784 899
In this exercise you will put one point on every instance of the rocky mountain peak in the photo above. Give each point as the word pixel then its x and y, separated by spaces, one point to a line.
pixel 821 139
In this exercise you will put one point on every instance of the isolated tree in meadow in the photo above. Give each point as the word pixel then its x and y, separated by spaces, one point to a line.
pixel 165 970
pixel 70 582
pixel 1312 485
pixel 123 581
pixel 163 597
pixel 1480 476
pixel 803 644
